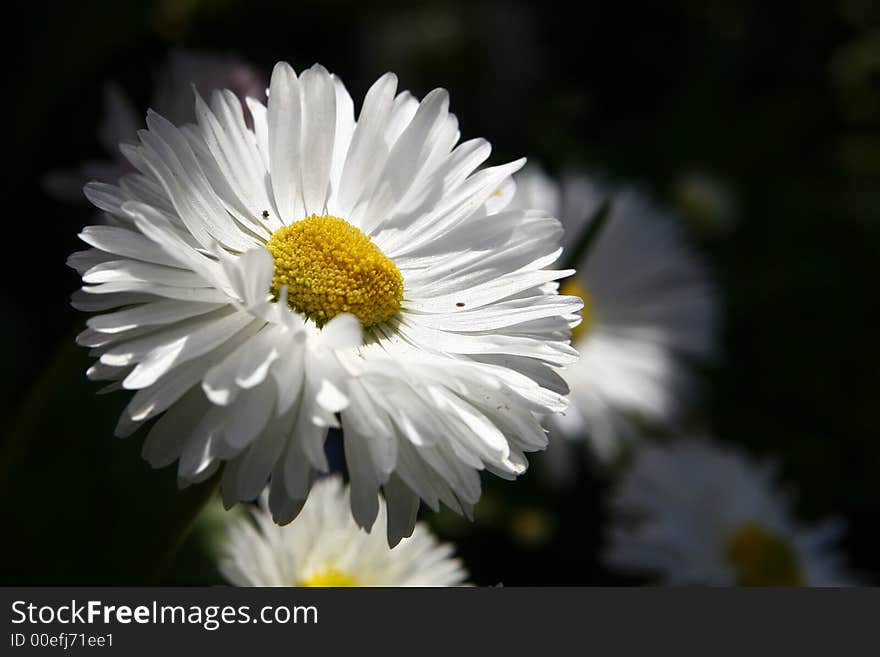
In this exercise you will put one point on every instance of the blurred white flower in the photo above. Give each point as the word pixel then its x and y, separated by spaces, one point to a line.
pixel 649 305
pixel 325 547
pixel 172 99
pixel 698 513
pixel 318 272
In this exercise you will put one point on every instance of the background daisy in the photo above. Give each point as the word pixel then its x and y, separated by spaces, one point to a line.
pixel 649 307
pixel 698 513
pixel 325 547
pixel 172 98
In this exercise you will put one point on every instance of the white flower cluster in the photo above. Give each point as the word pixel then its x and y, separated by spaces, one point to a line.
pixel 275 264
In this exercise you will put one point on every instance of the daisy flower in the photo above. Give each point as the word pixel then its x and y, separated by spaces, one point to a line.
pixel 696 513
pixel 172 98
pixel 649 305
pixel 266 284
pixel 325 547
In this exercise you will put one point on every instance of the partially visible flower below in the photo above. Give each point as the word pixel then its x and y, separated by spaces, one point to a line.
pixel 262 285
pixel 325 547
pixel 698 513
pixel 172 99
pixel 649 305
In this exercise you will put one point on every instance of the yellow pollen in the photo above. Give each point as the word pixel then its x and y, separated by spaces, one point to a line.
pixel 498 192
pixel 761 558
pixel 331 267
pixel 330 577
pixel 573 287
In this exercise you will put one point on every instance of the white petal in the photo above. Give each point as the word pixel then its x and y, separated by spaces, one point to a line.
pixel 246 418
pixel 126 243
pixel 284 119
pixel 318 132
pixel 132 270
pixel 163 444
pixel 172 161
pixel 403 505
pixel 368 150
pixel 345 126
pixel 259 460
pixel 235 151
pixel 342 331
pixel 248 364
pixel 406 158
pixel 164 358
pixel 364 480
pixel 149 314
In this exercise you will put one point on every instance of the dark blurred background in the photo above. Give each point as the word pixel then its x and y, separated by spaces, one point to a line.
pixel 778 106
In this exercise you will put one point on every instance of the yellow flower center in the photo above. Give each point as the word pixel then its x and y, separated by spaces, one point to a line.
pixel 573 287
pixel 761 558
pixel 330 577
pixel 331 267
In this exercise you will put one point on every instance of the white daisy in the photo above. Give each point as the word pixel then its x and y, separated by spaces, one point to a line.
pixel 172 98
pixel 316 271
pixel 695 513
pixel 325 547
pixel 649 305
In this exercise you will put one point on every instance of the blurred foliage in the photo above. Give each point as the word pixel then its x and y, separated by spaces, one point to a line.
pixel 776 105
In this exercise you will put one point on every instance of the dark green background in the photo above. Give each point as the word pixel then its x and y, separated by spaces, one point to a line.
pixel 779 103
